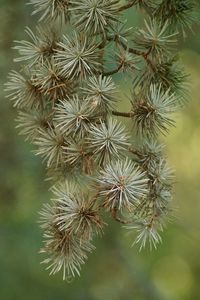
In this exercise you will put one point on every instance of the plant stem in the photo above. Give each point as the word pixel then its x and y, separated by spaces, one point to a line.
pixel 123 114
pixel 144 55
pixel 113 71
pixel 135 152
pixel 116 218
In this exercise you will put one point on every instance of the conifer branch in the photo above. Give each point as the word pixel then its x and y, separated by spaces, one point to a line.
pixel 67 109
pixel 144 55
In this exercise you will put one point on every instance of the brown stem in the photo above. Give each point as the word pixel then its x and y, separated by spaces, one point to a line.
pixel 113 71
pixel 135 152
pixel 123 114
pixel 114 215
pixel 134 51
pixel 144 55
pixel 56 86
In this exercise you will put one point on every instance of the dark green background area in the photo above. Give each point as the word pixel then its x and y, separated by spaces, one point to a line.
pixel 115 271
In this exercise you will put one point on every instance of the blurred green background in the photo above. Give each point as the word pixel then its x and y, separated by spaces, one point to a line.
pixel 114 271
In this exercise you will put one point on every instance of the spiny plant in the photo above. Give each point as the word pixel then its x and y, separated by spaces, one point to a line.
pixel 66 93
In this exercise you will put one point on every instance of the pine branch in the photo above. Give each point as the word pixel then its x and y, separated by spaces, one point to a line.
pixel 67 109
pixel 144 55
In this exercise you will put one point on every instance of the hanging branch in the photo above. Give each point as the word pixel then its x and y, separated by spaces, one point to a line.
pixel 67 108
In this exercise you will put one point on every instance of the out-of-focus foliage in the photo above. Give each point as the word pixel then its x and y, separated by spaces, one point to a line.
pixel 114 271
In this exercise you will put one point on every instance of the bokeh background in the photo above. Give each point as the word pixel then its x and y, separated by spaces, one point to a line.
pixel 114 271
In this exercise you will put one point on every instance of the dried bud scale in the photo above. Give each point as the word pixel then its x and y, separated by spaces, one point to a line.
pixel 67 101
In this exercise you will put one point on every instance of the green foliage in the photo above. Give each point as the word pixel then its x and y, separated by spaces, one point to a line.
pixel 67 98
pixel 51 83
pixel 40 47
pixel 153 114
pixel 76 213
pixel 23 91
pixel 155 39
pixel 107 141
pixel 178 13
pixel 95 16
pixel 73 116
pixel 50 142
pixel 122 184
pixel 30 123
pixel 146 233
pixel 78 57
pixel 51 9
pixel 102 92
